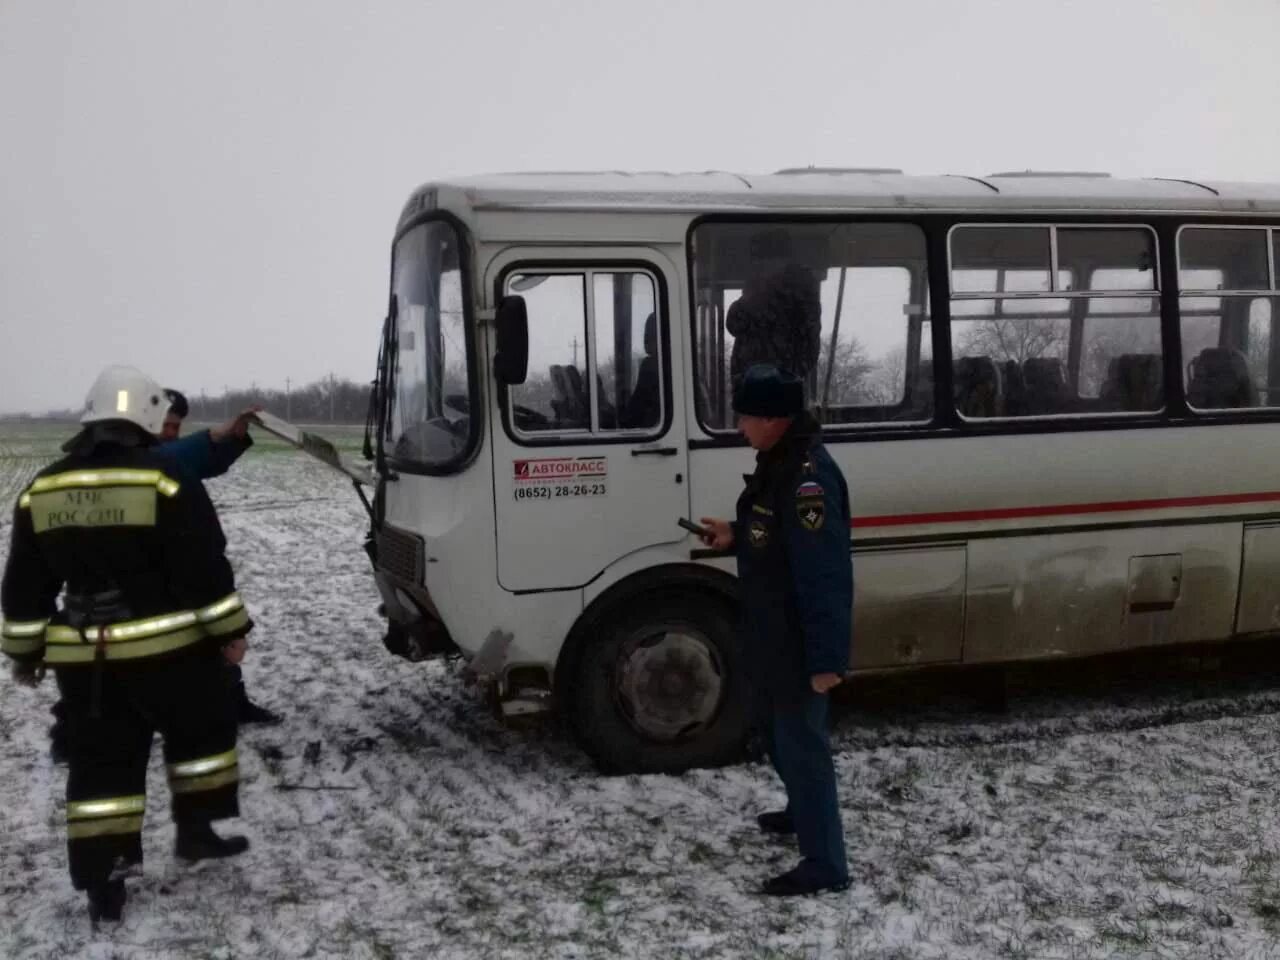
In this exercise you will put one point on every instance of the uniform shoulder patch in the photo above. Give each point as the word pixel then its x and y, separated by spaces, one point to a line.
pixel 810 488
pixel 811 508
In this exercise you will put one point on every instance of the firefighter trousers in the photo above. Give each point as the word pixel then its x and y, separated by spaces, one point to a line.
pixel 110 723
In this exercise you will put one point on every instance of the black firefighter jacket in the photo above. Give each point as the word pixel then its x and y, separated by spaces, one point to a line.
pixel 114 519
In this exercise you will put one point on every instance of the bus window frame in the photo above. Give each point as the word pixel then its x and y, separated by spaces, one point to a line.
pixel 1271 233
pixel 946 422
pixel 728 436
pixel 1053 293
pixel 1154 293
pixel 475 396
pixel 586 266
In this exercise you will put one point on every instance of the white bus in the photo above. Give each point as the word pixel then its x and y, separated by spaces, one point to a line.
pixel 1056 398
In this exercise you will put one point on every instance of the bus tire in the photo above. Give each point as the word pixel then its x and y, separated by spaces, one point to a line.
pixel 660 686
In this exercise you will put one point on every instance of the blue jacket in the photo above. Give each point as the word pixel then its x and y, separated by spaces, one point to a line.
pixel 199 458
pixel 795 566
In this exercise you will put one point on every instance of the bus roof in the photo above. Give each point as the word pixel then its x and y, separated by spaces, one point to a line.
pixel 837 190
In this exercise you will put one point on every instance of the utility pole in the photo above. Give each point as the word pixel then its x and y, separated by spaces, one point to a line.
pixel 575 351
pixel 332 394
pixel 288 400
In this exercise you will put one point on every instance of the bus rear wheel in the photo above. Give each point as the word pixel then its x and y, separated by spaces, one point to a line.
pixel 659 686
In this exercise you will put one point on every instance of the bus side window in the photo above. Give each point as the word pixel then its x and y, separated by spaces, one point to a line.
pixel 595 350
pixel 645 404
pixel 1227 314
pixel 1069 315
pixel 844 305
pixel 555 397
pixel 628 351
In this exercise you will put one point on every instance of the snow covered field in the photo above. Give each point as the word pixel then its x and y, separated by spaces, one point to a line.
pixel 391 816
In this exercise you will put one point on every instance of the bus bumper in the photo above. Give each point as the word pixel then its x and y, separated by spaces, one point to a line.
pixel 414 629
pixel 517 690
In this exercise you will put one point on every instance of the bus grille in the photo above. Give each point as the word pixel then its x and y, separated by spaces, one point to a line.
pixel 401 554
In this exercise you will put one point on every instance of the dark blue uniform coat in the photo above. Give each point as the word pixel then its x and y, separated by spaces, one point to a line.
pixel 794 564
pixel 199 458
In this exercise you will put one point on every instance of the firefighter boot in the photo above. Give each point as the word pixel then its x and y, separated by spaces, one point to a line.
pixel 106 900
pixel 249 712
pixel 246 710
pixel 59 749
pixel 59 752
pixel 197 841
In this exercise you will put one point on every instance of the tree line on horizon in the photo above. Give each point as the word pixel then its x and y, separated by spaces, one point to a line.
pixel 328 400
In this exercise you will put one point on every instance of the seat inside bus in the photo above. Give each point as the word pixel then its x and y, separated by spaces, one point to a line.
pixel 1045 381
pixel 987 388
pixel 1220 380
pixel 644 405
pixel 570 404
pixel 1015 389
pixel 1134 382
pixel 978 387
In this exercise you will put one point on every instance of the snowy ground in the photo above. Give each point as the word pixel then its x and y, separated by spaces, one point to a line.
pixel 391 816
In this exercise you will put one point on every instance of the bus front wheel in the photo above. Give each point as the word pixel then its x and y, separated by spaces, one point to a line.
pixel 659 686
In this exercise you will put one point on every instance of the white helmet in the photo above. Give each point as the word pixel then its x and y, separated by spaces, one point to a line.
pixel 123 393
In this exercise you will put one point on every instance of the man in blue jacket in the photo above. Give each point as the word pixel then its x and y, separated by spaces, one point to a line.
pixel 792 541
pixel 201 456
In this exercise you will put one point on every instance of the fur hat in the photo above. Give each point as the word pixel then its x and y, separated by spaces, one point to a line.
pixel 766 391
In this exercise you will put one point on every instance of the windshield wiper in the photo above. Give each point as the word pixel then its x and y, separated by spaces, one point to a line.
pixel 375 421
pixel 380 395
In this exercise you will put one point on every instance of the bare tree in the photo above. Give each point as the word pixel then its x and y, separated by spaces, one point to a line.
pixel 1015 339
pixel 849 374
pixel 886 384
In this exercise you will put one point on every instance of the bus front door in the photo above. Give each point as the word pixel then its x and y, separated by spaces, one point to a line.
pixel 589 453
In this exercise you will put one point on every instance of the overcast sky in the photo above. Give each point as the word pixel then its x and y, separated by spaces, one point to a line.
pixel 207 190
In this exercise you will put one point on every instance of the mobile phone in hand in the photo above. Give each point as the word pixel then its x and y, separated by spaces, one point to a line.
pixel 694 528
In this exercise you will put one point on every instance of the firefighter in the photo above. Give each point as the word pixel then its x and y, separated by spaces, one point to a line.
pixel 135 647
pixel 198 457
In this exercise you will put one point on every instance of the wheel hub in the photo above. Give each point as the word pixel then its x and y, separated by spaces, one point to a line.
pixel 669 682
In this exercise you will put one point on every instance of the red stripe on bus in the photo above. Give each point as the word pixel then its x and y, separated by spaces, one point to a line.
pixel 1063 509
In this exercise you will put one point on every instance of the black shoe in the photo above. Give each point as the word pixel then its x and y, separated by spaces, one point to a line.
pixel 250 712
pixel 197 841
pixel 106 901
pixel 58 750
pixel 778 822
pixel 803 880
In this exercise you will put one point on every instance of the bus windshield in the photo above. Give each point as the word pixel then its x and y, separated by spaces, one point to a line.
pixel 430 423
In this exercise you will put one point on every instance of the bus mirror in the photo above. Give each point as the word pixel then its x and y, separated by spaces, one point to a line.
pixel 511 361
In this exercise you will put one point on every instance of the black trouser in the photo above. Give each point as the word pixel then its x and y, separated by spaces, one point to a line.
pixel 58 732
pixel 801 753
pixel 235 678
pixel 186 698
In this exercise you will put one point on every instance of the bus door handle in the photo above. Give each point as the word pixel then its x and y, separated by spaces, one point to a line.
pixel 654 451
